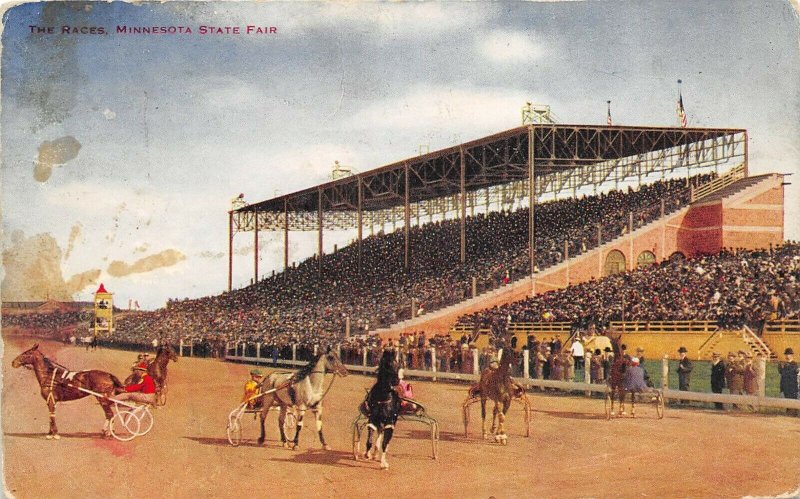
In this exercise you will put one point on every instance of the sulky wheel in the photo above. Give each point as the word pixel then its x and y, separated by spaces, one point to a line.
pixel 234 431
pixel 660 404
pixel 145 420
pixel 125 426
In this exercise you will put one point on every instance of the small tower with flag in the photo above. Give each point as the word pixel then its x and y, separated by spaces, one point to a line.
pixel 103 311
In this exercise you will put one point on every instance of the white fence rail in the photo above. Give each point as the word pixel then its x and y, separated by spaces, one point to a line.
pixel 757 402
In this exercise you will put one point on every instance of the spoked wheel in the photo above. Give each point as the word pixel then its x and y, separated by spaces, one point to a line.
pixel 234 431
pixel 357 430
pixel 125 425
pixel 145 420
pixel 660 404
pixel 608 404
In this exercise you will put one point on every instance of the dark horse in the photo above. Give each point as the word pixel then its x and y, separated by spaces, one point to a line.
pixel 157 369
pixel 382 407
pixel 616 376
pixel 59 384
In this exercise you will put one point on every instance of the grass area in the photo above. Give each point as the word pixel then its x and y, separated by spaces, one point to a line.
pixel 701 376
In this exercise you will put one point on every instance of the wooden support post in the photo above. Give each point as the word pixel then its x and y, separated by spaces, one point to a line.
pixel 526 357
pixel 433 362
pixel 665 372
pixel 476 368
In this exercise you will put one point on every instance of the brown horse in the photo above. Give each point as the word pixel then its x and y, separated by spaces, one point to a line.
pixel 158 370
pixel 616 376
pixel 59 384
pixel 497 385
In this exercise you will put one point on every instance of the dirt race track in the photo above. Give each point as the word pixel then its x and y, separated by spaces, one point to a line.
pixel 572 452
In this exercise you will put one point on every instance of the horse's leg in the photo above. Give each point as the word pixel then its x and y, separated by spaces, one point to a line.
pixel 388 431
pixel 501 415
pixel 51 406
pixel 621 401
pixel 483 416
pixel 370 429
pixel 261 417
pixel 495 411
pixel 281 422
pixel 106 405
pixel 633 404
pixel 301 413
pixel 318 415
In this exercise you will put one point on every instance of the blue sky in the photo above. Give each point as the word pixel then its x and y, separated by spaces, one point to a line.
pixel 144 139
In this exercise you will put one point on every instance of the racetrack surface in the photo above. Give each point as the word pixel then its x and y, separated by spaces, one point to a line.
pixel 572 452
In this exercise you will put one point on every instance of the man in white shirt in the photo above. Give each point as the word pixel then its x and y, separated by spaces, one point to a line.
pixel 577 353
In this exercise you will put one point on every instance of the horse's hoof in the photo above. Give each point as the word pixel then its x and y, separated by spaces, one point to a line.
pixel 384 465
pixel 613 414
pixel 623 414
pixel 326 447
pixel 49 436
pixel 285 445
pixel 56 437
pixel 295 447
pixel 260 441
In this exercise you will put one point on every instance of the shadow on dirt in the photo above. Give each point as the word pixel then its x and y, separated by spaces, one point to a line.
pixel 42 436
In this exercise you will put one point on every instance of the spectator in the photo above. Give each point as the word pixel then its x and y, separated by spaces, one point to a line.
pixel 684 370
pixel 717 376
pixel 788 370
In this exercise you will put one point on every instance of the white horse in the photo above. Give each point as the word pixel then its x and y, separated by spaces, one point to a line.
pixel 301 391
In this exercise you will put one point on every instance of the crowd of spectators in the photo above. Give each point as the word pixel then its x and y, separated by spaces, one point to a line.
pixel 733 289
pixel 302 307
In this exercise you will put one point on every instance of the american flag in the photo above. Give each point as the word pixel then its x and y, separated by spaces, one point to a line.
pixel 681 112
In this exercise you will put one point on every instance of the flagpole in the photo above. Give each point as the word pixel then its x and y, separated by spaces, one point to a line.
pixel 609 122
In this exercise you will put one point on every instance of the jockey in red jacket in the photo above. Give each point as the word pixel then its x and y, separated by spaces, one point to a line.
pixel 144 391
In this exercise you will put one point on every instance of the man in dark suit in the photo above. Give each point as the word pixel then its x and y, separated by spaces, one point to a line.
pixel 717 377
pixel 789 378
pixel 684 370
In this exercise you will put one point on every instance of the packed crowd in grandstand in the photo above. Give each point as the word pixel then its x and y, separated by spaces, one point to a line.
pixel 300 306
pixel 733 289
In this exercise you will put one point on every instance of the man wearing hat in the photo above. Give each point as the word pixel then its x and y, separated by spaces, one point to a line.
pixel 684 370
pixel 252 388
pixel 717 376
pixel 144 391
pixel 789 372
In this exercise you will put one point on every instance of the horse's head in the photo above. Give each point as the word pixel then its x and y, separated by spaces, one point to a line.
pixel 334 364
pixel 170 352
pixel 28 357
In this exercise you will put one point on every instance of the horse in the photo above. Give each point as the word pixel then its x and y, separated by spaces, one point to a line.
pixel 616 376
pixel 300 391
pixel 157 369
pixel 59 384
pixel 497 385
pixel 382 406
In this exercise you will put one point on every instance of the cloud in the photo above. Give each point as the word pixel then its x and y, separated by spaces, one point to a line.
pixel 33 270
pixel 78 282
pixel 510 46
pixel 54 153
pixel 212 254
pixel 166 258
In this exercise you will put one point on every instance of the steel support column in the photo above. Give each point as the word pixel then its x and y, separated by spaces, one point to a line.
pixel 230 250
pixel 319 219
pixel 746 156
pixel 531 200
pixel 360 221
pixel 463 197
pixel 286 239
pixel 406 219
pixel 255 245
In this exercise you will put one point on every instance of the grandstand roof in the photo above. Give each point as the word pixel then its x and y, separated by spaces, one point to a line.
pixel 493 160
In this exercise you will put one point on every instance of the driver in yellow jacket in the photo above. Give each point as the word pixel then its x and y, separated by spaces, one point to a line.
pixel 253 388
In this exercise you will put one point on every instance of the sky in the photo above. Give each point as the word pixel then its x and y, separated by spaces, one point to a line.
pixel 121 152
